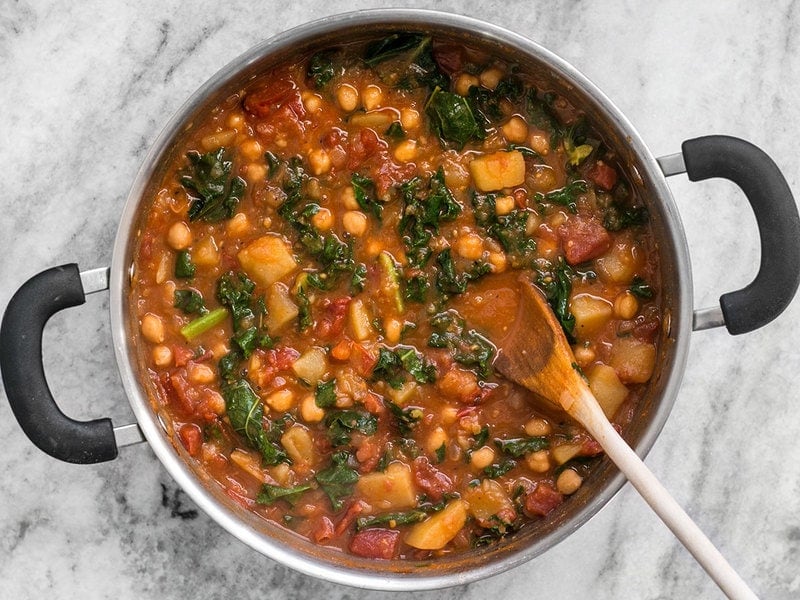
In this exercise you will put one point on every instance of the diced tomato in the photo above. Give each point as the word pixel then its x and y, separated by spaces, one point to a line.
pixel 375 543
pixel 333 138
pixel 363 145
pixel 369 453
pixel 341 351
pixel 181 354
pixel 186 395
pixel 281 92
pixel 284 357
pixel 322 529
pixel 459 384
pixel 433 482
pixel 450 58
pixel 646 329
pixel 363 360
pixel 584 239
pixel 191 437
pixel 542 499
pixel 389 174
pixel 330 325
pixel 372 402
pixel 355 509
pixel 602 175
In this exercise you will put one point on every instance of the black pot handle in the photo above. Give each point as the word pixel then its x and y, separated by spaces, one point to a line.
pixel 23 372
pixel 775 210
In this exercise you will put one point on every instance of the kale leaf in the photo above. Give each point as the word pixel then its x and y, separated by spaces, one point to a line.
pixel 448 281
pixel 246 415
pixel 467 346
pixel 342 423
pixel 405 60
pixel 566 196
pixel 557 287
pixel 451 118
pixel 217 193
pixel 270 494
pixel 338 480
pixel 640 288
pixel 395 519
pixel 364 189
pixel 405 418
pixel 498 469
pixel 393 364
pixel 189 301
pixel 520 446
pixel 320 68
pixel 325 394
pixel 184 267
pixel 511 229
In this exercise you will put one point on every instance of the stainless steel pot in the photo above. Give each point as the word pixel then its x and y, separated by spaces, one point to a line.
pixel 740 311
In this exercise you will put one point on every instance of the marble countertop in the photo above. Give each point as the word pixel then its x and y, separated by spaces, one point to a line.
pixel 86 88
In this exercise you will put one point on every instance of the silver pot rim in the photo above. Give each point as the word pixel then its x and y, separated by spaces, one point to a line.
pixel 414 578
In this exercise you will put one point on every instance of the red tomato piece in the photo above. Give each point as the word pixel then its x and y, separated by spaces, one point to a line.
pixel 450 58
pixel 363 360
pixel 191 437
pixel 375 543
pixel 542 499
pixel 433 482
pixel 604 176
pixel 584 239
pixel 331 324
pixel 322 530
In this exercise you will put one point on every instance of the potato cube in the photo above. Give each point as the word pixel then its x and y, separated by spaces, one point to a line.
pixel 499 170
pixel 434 532
pixel 591 313
pixel 311 366
pixel 565 452
pixel 267 259
pixel 489 501
pixel 633 360
pixel 621 263
pixel 359 320
pixel 281 309
pixel 299 445
pixel 392 489
pixel 607 388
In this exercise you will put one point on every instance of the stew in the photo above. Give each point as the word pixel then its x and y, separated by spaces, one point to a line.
pixel 331 257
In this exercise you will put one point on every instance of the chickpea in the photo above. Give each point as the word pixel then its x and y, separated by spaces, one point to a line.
pixel 179 236
pixel 532 224
pixel 322 220
pixel 255 172
pixel 281 400
pixel 309 411
pixel 568 482
pixel 235 121
pixel 162 356
pixel 539 461
pixel 464 82
pixel 250 150
pixel 355 222
pixel 491 77
pixel 347 97
pixel 537 427
pixel 504 205
pixel 311 102
pixel 584 355
pixel 206 254
pixel 237 225
pixel 409 118
pixel 320 161
pixel 436 439
pixel 215 402
pixel 449 415
pixel 200 373
pixel 469 246
pixel 498 261
pixel 626 305
pixel 540 144
pixel 348 198
pixel 371 97
pixel 482 457
pixel 393 329
pixel 153 328
pixel 406 151
pixel 515 130
pixel 556 220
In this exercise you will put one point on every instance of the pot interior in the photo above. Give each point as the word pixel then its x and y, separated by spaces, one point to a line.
pixel 604 481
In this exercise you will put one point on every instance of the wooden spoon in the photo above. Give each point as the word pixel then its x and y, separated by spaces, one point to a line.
pixel 536 354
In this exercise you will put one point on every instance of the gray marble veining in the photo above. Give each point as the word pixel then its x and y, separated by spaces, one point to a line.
pixel 85 89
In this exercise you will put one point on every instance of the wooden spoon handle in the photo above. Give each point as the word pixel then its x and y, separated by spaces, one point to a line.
pixel 663 504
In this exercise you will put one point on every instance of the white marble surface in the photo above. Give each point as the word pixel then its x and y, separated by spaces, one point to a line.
pixel 86 87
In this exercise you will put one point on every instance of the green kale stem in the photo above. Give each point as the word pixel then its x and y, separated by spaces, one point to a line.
pixel 202 324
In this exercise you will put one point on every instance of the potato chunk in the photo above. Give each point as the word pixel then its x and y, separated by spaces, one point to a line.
pixel 498 170
pixel 300 446
pixel 311 366
pixel 489 503
pixel 633 360
pixel 281 309
pixel 434 533
pixel 392 489
pixel 591 313
pixel 267 259
pixel 607 388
